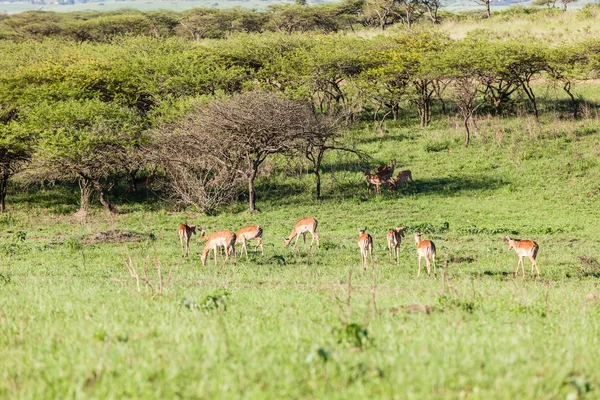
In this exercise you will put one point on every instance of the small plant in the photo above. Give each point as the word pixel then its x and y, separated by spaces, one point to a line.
pixel 152 287
pixel 73 244
pixel 15 245
pixel 354 335
pixel 215 302
pixel 435 147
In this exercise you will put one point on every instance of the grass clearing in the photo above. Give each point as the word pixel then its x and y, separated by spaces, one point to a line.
pixel 73 324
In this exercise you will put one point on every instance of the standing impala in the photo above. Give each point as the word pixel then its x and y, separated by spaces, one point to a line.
pixel 365 243
pixel 524 248
pixel 304 225
pixel 403 176
pixel 377 181
pixel 425 248
pixel 225 239
pixel 185 234
pixel 251 232
pixel 394 237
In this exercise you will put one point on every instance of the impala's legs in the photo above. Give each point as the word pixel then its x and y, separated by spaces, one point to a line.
pixel 216 250
pixel 419 273
pixel 296 242
pixel 522 266
pixel 304 238
pixel 533 262
pixel 371 254
pixel 428 263
pixel 517 271
pixel 434 266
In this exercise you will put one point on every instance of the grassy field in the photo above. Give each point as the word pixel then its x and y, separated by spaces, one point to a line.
pixel 73 325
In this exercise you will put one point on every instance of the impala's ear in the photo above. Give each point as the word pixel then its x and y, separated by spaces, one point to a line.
pixel 507 238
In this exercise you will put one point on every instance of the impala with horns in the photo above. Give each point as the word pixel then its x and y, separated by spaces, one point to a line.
pixel 251 232
pixel 301 228
pixel 365 243
pixel 426 248
pixel 215 240
pixel 394 238
pixel 524 248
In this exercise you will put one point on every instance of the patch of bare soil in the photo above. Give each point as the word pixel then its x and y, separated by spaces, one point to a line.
pixel 116 236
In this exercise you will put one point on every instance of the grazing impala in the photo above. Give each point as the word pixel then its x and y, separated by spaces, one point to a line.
pixel 185 234
pixel 524 248
pixel 365 243
pixel 225 239
pixel 425 248
pixel 394 237
pixel 301 227
pixel 403 176
pixel 251 232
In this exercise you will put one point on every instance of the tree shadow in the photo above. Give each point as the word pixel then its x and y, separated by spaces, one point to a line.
pixel 451 185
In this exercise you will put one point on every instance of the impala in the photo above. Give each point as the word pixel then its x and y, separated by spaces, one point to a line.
pixel 377 181
pixel 304 225
pixel 394 237
pixel 524 248
pixel 365 243
pixel 185 234
pixel 223 238
pixel 251 232
pixel 403 176
pixel 385 172
pixel 425 248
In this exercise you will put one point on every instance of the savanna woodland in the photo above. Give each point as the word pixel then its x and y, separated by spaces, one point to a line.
pixel 118 127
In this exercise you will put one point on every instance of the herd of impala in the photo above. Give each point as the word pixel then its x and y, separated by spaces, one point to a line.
pixel 227 239
pixel 425 248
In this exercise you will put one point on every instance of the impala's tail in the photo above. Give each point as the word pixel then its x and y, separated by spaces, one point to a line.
pixel 534 250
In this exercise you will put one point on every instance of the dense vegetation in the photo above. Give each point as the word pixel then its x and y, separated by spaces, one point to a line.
pixel 496 118
pixel 87 111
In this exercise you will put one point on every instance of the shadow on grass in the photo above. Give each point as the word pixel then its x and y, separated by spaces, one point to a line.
pixel 63 198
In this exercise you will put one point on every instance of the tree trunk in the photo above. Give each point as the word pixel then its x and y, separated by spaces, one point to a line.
pixel 3 189
pixel 104 200
pixel 487 8
pixel 567 88
pixel 252 190
pixel 468 135
pixel 318 181
pixel 317 171
pixel 85 194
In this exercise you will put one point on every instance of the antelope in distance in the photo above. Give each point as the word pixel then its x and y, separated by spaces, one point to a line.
pixel 214 241
pixel 377 181
pixel 385 172
pixel 394 237
pixel 524 248
pixel 251 232
pixel 304 225
pixel 185 234
pixel 403 176
pixel 365 243
pixel 425 248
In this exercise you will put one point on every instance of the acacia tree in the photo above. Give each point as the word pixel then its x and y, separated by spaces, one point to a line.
pixel 15 148
pixel 323 137
pixel 87 141
pixel 246 129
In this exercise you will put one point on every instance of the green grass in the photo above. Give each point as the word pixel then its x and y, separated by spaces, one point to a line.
pixel 73 325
